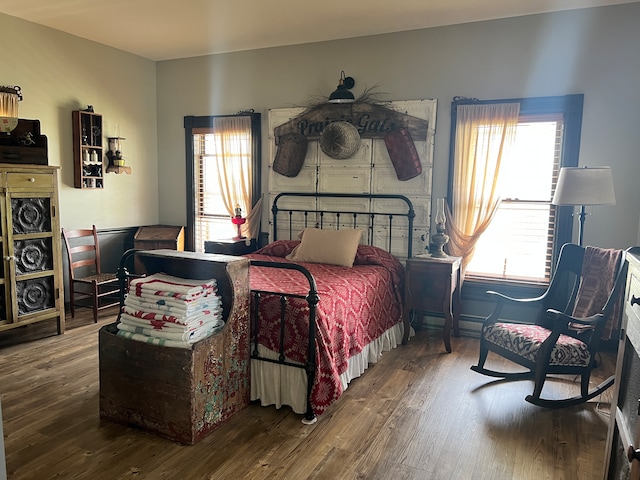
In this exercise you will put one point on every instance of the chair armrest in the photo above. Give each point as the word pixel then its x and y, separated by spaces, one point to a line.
pixel 506 298
pixel 502 300
pixel 565 319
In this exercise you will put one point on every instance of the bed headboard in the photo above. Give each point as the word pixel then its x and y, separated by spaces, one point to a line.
pixel 387 220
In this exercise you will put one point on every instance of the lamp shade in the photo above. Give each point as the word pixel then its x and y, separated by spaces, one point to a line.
pixel 9 98
pixel 584 186
pixel 342 94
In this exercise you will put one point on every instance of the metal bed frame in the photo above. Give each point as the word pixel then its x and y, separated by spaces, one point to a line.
pixel 314 217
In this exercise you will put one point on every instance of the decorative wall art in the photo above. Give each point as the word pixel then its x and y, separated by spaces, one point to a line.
pixel 340 140
pixel 289 158
pixel 403 154
pixel 392 154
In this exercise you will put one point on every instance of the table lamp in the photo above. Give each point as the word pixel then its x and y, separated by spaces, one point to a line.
pixel 238 221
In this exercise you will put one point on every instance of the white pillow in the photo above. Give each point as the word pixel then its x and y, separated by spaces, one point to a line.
pixel 333 247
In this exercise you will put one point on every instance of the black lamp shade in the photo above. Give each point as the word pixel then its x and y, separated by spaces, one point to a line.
pixel 342 93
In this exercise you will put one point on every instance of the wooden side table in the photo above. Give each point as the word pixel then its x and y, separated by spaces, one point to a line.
pixel 433 285
pixel 230 246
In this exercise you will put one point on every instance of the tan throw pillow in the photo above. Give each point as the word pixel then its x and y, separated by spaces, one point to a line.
pixel 333 247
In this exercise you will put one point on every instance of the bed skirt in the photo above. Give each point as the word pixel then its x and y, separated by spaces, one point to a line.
pixel 280 385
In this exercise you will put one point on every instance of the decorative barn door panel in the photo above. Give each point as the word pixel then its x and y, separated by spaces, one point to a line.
pixel 355 148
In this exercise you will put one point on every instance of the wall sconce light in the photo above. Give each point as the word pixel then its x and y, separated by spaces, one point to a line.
pixel 9 98
pixel 342 93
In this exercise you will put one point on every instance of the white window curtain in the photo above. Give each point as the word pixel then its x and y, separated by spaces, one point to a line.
pixel 483 133
pixel 225 153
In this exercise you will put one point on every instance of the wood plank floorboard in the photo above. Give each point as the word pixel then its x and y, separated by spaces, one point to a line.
pixel 417 414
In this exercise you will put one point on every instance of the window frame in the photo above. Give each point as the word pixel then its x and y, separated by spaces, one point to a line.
pixel 197 122
pixel 571 107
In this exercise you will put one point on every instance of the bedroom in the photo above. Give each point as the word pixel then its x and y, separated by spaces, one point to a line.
pixel 589 51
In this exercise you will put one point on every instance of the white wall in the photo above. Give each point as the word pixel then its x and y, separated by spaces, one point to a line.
pixel 592 51
pixel 59 73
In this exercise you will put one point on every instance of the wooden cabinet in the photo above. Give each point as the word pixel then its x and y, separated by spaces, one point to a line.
pixel 24 144
pixel 624 426
pixel 88 151
pixel 182 394
pixel 154 237
pixel 31 288
pixel 433 285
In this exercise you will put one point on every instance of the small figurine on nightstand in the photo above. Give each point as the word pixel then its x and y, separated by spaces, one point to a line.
pixel 238 221
pixel 440 239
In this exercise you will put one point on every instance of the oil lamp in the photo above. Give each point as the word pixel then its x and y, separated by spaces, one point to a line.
pixel 238 221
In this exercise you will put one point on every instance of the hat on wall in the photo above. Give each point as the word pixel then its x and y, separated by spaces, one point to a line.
pixel 340 140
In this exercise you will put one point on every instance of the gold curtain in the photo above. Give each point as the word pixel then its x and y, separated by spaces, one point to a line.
pixel 235 172
pixel 484 132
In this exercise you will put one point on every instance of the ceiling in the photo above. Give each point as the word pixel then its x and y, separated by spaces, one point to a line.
pixel 168 29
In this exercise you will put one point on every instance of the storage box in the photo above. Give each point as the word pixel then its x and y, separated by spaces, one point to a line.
pixel 177 393
pixel 25 144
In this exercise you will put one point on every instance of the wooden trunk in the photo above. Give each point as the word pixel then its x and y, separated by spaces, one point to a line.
pixel 177 393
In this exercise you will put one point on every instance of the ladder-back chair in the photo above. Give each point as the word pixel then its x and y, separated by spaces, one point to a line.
pixel 86 281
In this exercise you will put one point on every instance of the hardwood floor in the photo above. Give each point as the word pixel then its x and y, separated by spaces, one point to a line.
pixel 419 413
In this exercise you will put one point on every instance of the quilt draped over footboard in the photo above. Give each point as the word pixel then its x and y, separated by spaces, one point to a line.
pixel 357 305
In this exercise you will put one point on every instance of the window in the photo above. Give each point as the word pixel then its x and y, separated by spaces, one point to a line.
pixel 223 166
pixel 523 238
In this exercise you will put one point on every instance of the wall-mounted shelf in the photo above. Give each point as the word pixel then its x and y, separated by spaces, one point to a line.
pixel 114 154
pixel 87 150
pixel 115 169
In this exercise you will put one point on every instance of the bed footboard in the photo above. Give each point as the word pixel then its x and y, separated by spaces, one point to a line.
pixel 312 299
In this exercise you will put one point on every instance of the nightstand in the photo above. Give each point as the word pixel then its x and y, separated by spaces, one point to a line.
pixel 433 285
pixel 229 246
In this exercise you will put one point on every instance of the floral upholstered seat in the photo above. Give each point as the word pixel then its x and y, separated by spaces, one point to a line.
pixel 526 340
pixel 578 309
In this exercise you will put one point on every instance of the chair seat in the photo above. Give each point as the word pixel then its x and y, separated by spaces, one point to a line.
pixel 526 340
pixel 99 278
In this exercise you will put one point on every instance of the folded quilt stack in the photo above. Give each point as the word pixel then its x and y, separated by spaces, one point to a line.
pixel 171 311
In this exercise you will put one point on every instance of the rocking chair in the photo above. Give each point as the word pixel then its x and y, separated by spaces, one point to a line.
pixel 582 297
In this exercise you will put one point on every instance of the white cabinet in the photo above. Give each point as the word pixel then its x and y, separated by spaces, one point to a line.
pixel 624 426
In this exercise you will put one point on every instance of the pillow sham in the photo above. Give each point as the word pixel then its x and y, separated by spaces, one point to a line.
pixel 333 247
pixel 278 248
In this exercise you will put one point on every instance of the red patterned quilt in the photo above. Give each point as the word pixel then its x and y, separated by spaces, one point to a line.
pixel 356 306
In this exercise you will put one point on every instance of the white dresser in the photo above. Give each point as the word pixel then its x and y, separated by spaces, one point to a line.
pixel 622 460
